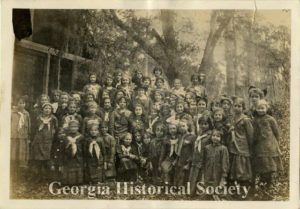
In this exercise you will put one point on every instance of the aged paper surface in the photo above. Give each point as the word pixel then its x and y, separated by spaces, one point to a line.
pixel 180 104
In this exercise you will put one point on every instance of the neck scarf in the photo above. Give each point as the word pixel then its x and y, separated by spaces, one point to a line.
pixel 125 150
pixel 72 143
pixel 174 147
pixel 21 121
pixel 198 141
pixel 94 146
pixel 45 122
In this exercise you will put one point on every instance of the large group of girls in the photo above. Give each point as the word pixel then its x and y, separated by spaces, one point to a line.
pixel 137 128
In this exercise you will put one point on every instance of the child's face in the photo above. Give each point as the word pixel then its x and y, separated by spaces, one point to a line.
pixel 193 106
pixel 172 129
pixel 188 98
pixel 89 98
pixel 138 111
pixel 73 128
pixel 120 94
pixel 165 111
pixel 157 96
pixel 21 105
pixel 139 74
pixel 159 131
pixel 214 106
pixel 146 82
pixel 179 108
pixel 195 80
pixel 261 109
pixel 127 140
pixel 216 137
pixel 138 137
pixel 104 129
pixel 105 94
pixel 254 98
pixel 76 98
pixel 44 100
pixel 93 109
pixel 204 126
pixel 122 103
pixel 218 116
pixel 173 100
pixel 159 84
pixel 119 76
pixel 147 139
pixel 177 84
pixel 47 110
pixel 64 98
pixel 61 134
pixel 107 104
pixel 226 105
pixel 141 92
pixel 109 81
pixel 157 73
pixel 94 131
pixel 125 81
pixel 201 106
pixel 238 108
pixel 56 96
pixel 183 127
pixel 93 78
pixel 72 108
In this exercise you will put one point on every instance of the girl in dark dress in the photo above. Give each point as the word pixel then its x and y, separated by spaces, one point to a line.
pixel 185 153
pixel 266 153
pixel 240 145
pixel 44 129
pixel 73 156
pixel 20 137
pixel 169 154
pixel 215 161
pixel 203 139
pixel 94 156
pixel 128 159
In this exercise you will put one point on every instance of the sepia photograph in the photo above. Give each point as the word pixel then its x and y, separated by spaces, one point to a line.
pixel 151 104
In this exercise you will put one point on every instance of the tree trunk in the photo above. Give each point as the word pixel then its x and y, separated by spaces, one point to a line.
pixel 218 23
pixel 230 57
pixel 167 20
pixel 251 57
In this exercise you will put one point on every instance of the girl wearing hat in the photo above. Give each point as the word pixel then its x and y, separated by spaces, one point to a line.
pixel 255 94
pixel 44 130
pixel 73 159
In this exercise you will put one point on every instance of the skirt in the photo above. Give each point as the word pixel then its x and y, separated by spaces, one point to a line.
pixel 20 151
pixel 267 164
pixel 127 164
pixel 240 168
pixel 95 174
pixel 72 175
